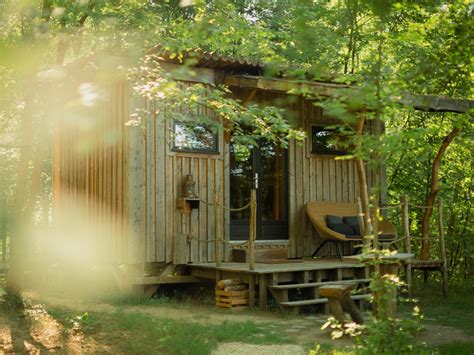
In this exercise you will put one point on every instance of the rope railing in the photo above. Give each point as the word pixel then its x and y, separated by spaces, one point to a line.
pixel 219 240
pixel 429 237
pixel 394 241
pixel 226 208
pixel 389 207
pixel 404 205
pixel 422 207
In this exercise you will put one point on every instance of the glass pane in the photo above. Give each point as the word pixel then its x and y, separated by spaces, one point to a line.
pixel 325 141
pixel 241 178
pixel 195 138
pixel 272 185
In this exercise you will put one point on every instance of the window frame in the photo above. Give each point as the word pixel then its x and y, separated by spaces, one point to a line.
pixel 215 150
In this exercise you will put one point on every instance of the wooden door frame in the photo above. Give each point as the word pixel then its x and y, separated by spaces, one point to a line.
pixel 257 167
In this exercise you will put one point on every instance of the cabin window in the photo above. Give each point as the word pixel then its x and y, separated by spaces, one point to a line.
pixel 326 140
pixel 194 139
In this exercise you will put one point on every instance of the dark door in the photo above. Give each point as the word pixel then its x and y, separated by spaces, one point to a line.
pixel 265 168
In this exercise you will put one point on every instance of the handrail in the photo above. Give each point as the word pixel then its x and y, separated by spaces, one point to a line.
pixel 219 239
pixel 391 206
pixel 226 208
pixel 421 207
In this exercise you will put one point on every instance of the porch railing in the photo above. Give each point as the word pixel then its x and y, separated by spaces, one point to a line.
pixel 219 239
pixel 406 237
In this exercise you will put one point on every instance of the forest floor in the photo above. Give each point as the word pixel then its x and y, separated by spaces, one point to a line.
pixel 192 325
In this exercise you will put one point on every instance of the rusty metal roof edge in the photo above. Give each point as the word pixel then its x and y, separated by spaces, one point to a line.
pixel 208 55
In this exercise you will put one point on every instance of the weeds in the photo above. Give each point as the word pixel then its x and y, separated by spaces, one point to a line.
pixel 149 334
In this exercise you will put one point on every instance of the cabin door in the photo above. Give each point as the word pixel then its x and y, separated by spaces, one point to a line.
pixel 264 168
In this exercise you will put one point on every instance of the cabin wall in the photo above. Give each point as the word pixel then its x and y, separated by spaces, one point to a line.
pixel 311 177
pixel 321 178
pixel 90 171
pixel 158 175
pixel 128 180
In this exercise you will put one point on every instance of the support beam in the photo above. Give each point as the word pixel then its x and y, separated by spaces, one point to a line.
pixel 418 102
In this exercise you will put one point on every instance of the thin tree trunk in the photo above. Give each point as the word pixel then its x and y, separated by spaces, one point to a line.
pixel 433 191
pixel 22 208
pixel 17 242
pixel 364 193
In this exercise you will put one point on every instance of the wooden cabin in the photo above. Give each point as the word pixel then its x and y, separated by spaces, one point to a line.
pixel 131 179
pixel 125 185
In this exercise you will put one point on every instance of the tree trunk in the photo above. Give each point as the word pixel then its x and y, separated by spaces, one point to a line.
pixel 433 191
pixel 17 242
pixel 364 193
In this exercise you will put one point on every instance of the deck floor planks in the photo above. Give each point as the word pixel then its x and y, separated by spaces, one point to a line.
pixel 305 265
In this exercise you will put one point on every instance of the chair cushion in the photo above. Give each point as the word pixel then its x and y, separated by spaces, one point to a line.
pixel 330 219
pixel 341 228
pixel 353 221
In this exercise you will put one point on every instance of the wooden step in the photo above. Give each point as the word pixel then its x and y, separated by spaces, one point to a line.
pixel 318 301
pixel 317 284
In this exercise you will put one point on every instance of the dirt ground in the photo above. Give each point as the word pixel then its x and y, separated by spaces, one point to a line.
pixel 38 332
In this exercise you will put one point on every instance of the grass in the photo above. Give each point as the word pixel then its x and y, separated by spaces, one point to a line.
pixel 456 311
pixel 127 331
pixel 456 348
pixel 142 333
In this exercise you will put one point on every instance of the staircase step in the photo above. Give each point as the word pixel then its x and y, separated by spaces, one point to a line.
pixel 317 284
pixel 318 301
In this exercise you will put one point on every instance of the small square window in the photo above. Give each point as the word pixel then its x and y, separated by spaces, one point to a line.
pixel 325 141
pixel 194 139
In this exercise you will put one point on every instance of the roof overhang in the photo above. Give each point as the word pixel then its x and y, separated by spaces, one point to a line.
pixel 418 102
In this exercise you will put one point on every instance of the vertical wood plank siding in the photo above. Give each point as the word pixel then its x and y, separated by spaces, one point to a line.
pixel 169 235
pixel 92 167
pixel 130 179
pixel 310 177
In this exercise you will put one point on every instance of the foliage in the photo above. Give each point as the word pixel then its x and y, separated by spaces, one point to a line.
pixel 383 48
pixel 382 332
pixel 192 104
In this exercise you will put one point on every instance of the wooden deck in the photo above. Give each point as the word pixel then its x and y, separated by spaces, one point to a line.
pixel 270 268
pixel 292 284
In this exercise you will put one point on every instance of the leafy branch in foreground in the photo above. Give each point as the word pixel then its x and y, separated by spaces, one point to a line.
pixel 208 105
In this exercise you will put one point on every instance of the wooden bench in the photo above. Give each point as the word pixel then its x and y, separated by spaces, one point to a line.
pixel 340 301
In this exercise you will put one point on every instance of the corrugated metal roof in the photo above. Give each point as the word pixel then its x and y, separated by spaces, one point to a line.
pixel 211 60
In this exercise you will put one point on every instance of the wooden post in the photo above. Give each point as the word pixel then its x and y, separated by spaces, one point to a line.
pixel 262 291
pixel 218 241
pixel 375 224
pixel 251 290
pixel 406 234
pixel 360 216
pixel 253 227
pixel 442 246
pixel 218 277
